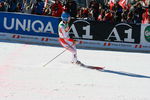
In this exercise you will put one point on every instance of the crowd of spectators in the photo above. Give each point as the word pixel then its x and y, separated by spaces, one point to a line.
pixel 135 12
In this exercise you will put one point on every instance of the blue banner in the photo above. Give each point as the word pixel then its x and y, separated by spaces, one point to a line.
pixel 25 24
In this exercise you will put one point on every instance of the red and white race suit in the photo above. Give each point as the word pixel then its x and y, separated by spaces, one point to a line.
pixel 65 41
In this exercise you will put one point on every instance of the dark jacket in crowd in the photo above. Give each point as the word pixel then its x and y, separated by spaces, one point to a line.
pixel 38 7
pixel 72 8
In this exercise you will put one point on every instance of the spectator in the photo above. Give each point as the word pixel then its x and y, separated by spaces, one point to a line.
pixel 118 13
pixel 137 11
pixel 12 5
pixel 26 7
pixel 130 17
pixel 56 9
pixel 2 6
pixel 83 13
pixel 94 9
pixel 47 10
pixel 71 7
pixel 101 15
pixel 38 7
pixel 108 17
pixel 19 7
pixel 124 16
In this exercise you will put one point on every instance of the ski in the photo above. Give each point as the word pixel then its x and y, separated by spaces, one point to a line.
pixel 91 67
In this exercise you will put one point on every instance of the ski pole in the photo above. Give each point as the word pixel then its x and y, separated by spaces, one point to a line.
pixel 54 57
pixel 60 54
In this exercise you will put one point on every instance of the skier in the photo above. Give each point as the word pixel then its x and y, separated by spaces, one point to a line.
pixel 64 39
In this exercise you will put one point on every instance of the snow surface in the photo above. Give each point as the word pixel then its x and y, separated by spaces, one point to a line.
pixel 23 77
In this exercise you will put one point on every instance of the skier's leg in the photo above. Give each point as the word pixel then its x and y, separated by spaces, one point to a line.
pixel 72 48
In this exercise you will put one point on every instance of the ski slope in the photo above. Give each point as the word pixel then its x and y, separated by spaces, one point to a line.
pixel 23 77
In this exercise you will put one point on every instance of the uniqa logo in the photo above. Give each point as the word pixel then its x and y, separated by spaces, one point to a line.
pixel 27 25
pixel 147 33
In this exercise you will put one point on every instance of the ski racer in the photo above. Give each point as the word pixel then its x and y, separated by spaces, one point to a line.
pixel 64 39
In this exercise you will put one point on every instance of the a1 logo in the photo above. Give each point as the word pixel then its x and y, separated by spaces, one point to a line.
pixel 85 28
pixel 115 34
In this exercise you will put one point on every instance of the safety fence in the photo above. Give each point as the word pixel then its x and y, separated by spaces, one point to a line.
pixel 95 35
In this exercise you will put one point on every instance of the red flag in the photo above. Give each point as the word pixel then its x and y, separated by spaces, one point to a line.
pixel 145 17
pixel 145 2
pixel 123 3
pixel 111 4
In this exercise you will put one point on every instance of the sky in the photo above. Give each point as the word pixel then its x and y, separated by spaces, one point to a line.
pixel 22 76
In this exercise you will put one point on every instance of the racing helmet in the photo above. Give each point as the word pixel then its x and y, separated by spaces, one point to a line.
pixel 65 16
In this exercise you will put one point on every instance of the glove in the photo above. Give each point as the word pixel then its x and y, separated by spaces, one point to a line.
pixel 77 42
pixel 80 42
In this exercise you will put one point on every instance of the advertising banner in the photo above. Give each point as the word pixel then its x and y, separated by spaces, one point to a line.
pixel 119 36
pixel 145 36
pixel 101 31
pixel 24 24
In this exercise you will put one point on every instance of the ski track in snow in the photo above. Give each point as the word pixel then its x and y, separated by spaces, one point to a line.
pixel 22 76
